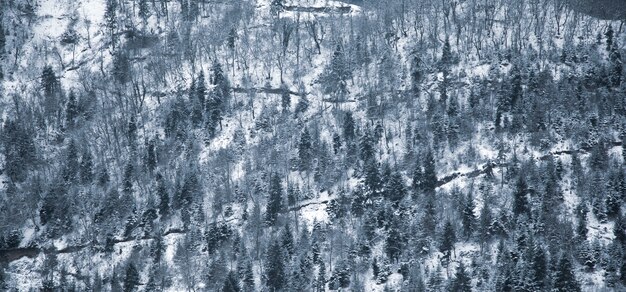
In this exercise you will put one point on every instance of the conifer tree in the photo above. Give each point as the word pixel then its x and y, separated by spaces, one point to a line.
pixel 2 40
pixel 429 218
pixel 132 278
pixel 565 279
pixel 127 183
pixel 72 166
pixel 71 110
pixel 416 74
pixel 468 219
pixel 609 34
pixel 418 179
pixel 486 218
pixel 103 176
pixel 287 240
pixel 275 200
pixel 164 197
pixel 305 150
pixel 334 78
pixel 394 243
pixel 448 238
pixel 395 190
pixel 275 268
pixel 429 181
pixel 231 284
pixel 86 168
pixel 520 197
pixel 222 85
pixel 348 126
pixel 539 267
pixel 144 10
pixel 285 98
pixel 320 282
pixel 150 156
pixel 462 281
pixel 581 228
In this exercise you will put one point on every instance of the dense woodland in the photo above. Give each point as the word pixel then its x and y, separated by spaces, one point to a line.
pixel 312 145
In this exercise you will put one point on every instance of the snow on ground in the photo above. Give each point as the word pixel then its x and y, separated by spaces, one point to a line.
pixel 24 267
pixel 314 213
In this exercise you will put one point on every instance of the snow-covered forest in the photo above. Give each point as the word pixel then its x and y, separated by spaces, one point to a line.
pixel 312 145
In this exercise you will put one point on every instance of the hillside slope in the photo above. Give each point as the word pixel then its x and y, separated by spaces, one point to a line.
pixel 311 145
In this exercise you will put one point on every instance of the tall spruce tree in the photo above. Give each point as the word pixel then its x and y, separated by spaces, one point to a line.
pixel 275 200
pixel 462 280
pixel 275 277
pixel 565 279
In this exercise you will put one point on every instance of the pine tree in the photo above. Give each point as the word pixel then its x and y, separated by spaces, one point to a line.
pixel 516 87
pixel 110 14
pixel 367 145
pixel 616 69
pixel 191 189
pixel 199 89
pixel 341 276
pixel 121 67
pixel 468 219
pixel 462 281
pixel 565 280
pixel 429 218
pixel 72 166
pixel 435 282
pixel 246 275
pixel 372 177
pixel 394 243
pixel 157 249
pixel 416 75
pixel 71 110
pixel 394 189
pixel 150 156
pixel 348 126
pixel 486 218
pixel 448 239
pixel 86 168
pixel 103 176
pixel 144 10
pixel 49 82
pixel 275 268
pixel 275 200
pixel 52 104
pixel 305 154
pixel 336 143
pixel 619 230
pixel 132 278
pixel 581 228
pixel 164 197
pixel 418 179
pixel 127 183
pixel 429 182
pixel 196 107
pixel 520 197
pixel 2 41
pixel 453 107
pixel 334 78
pixel 320 282
pixel 276 7
pixel 287 240
pixel 446 55
pixel 285 98
pixel 609 34
pixel 539 267
pixel 221 85
pixel 231 284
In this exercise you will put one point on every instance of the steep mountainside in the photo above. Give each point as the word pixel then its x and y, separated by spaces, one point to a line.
pixel 312 145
